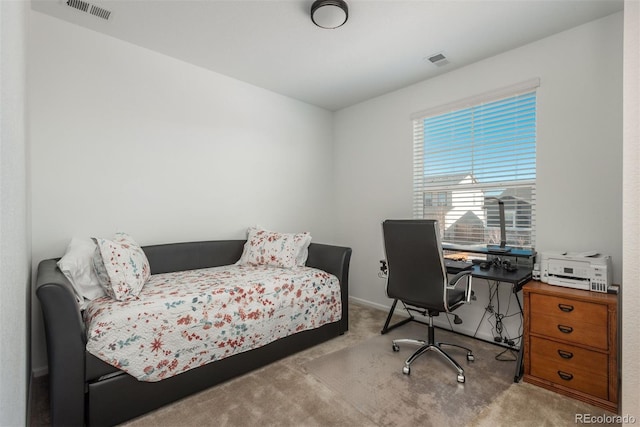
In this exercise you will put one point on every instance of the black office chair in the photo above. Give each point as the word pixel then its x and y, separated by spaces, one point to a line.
pixel 418 278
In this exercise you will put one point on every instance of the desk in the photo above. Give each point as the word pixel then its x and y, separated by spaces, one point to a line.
pixel 517 279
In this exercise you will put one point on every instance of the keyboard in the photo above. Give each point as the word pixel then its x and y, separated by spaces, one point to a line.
pixel 454 266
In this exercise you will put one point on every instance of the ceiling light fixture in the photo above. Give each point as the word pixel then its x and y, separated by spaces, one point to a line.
pixel 329 13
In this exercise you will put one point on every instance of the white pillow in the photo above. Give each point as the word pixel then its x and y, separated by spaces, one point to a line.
pixel 285 250
pixel 77 266
pixel 121 266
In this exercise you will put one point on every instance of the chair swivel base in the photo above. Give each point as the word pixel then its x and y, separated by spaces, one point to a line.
pixel 427 346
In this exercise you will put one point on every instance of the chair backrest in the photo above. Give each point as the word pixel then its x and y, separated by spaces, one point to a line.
pixel 416 270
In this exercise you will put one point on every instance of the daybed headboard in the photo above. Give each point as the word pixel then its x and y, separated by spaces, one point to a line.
pixel 171 257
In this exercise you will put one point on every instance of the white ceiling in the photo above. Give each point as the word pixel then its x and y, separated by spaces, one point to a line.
pixel 274 45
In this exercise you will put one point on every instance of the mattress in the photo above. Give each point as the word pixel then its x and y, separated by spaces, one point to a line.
pixel 186 319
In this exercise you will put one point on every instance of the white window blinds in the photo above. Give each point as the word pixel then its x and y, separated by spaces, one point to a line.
pixel 475 152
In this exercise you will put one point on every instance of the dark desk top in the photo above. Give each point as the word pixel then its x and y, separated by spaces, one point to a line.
pixel 517 278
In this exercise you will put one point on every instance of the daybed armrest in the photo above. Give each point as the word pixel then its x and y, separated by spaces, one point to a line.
pixel 65 334
pixel 334 260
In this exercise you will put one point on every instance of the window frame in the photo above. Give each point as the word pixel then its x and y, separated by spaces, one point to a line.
pixel 518 235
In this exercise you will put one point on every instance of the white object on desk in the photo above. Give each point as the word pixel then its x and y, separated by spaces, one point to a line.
pixel 592 272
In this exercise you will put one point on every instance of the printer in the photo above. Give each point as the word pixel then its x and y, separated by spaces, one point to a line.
pixel 591 271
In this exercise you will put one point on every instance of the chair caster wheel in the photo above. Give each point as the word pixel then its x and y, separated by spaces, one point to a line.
pixel 395 347
pixel 406 370
pixel 461 378
pixel 470 357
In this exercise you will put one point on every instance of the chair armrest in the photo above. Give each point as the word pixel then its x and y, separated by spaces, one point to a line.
pixel 455 279
pixel 453 282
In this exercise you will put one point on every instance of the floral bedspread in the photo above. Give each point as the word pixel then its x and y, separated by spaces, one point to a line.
pixel 186 319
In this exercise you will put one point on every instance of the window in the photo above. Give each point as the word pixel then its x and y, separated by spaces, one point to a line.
pixel 467 154
pixel 433 199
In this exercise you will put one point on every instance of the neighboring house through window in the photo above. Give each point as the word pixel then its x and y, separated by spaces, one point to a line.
pixel 470 152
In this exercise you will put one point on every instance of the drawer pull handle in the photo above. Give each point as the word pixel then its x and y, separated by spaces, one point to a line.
pixel 565 329
pixel 565 307
pixel 565 375
pixel 565 354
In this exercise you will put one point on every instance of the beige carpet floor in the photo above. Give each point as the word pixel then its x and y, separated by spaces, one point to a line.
pixel 356 380
pixel 369 377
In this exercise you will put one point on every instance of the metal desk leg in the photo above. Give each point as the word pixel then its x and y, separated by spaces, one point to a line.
pixel 386 328
pixel 519 366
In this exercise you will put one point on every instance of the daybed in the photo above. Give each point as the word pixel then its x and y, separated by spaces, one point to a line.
pixel 84 390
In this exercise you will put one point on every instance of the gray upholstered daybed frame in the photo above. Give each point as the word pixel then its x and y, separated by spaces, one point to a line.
pixel 84 390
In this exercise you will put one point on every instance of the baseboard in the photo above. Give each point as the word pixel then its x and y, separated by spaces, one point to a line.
pixel 360 301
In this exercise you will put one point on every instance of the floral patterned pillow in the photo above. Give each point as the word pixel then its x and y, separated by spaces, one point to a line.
pixel 285 250
pixel 121 266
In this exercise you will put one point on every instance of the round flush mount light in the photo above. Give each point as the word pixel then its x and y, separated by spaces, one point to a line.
pixel 329 13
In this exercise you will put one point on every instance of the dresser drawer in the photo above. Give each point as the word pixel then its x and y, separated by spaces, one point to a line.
pixel 571 375
pixel 569 310
pixel 569 358
pixel 568 320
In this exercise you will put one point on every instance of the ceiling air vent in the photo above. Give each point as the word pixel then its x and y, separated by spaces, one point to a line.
pixel 100 12
pixel 78 4
pixel 438 59
pixel 86 7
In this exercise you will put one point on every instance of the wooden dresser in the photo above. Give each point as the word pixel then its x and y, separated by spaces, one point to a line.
pixel 571 342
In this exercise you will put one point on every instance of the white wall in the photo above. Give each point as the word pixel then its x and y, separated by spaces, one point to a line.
pixel 579 178
pixel 14 228
pixel 124 138
pixel 631 212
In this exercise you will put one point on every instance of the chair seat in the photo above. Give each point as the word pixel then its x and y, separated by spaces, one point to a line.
pixel 454 297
